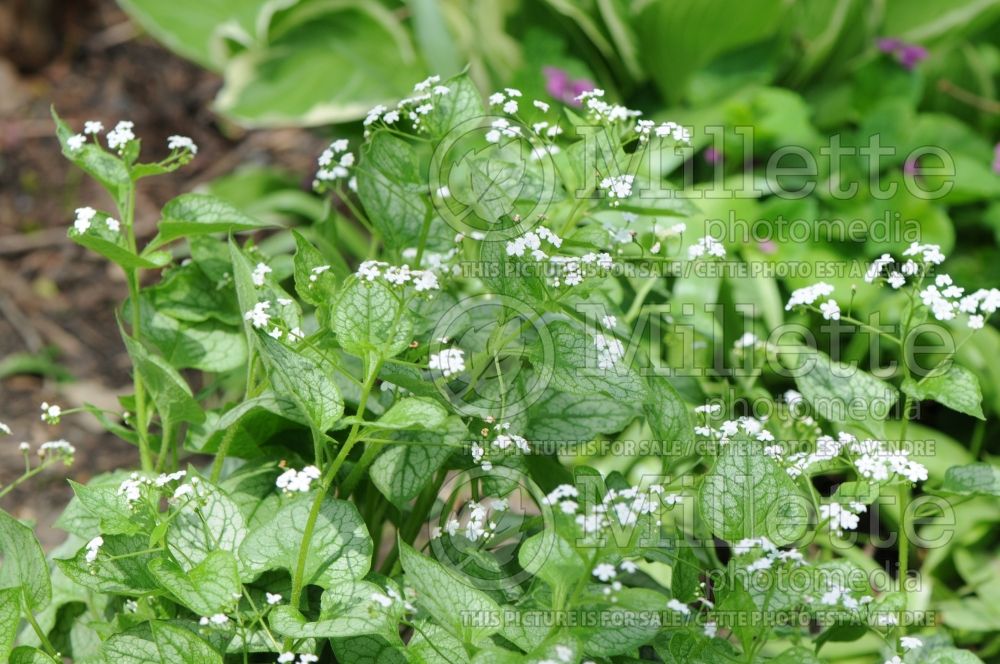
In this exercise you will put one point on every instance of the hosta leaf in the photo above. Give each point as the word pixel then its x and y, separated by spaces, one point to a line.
pixel 320 65
pixel 169 391
pixel 746 495
pixel 390 187
pixel 340 549
pixel 22 563
pixel 207 523
pixel 370 318
pixel 842 393
pixel 198 214
pixel 956 387
pixel 467 613
pixel 207 588
pixel 313 391
pixel 119 569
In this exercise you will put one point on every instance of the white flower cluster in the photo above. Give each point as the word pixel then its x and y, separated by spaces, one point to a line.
pixel 51 413
pixel 502 128
pixel 314 273
pixel 836 595
pixel 624 506
pixel 564 655
pixel 532 242
pixel 4 429
pixel 121 135
pixel 216 620
pixel 874 460
pixel 478 525
pixel 259 274
pixel 414 107
pixel 618 187
pixel 566 270
pixel 609 351
pixel 675 131
pixel 449 361
pixel 945 300
pixel 304 658
pixel 749 426
pixel 335 162
pixel 84 218
pixel 706 246
pixel 601 111
pixel 808 295
pixel 260 318
pixel 765 555
pixel 503 444
pixel 842 517
pixel 297 481
pixel 93 548
pixel 57 448
pixel 182 143
pixel 422 280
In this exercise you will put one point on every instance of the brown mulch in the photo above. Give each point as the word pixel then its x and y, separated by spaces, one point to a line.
pixel 85 58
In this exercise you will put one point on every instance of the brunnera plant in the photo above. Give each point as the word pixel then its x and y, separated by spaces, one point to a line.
pixel 463 441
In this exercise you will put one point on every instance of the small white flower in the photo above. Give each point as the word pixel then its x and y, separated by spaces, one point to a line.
pixel 260 273
pixel 292 480
pixel 608 322
pixel 24 447
pixel 605 572
pixel 541 105
pixel 258 316
pixel 808 295
pixel 93 547
pixel 113 224
pixel 93 127
pixel 510 107
pixel 628 566
pixel 84 218
pixel 119 137
pixel 679 606
pixel 830 310
pixel 449 361
pixel 182 143
pixel 618 187
pixel 4 429
pixel 75 142
pixel 286 657
pixel 910 642
pixel 51 413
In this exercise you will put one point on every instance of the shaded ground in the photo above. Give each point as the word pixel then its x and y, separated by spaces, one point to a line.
pixel 85 58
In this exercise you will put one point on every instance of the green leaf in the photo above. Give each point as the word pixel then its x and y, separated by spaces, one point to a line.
pixel 346 610
pixel 371 318
pixel 29 655
pixel 462 104
pixel 558 416
pixel 746 495
pixel 207 588
pixel 340 549
pixel 207 346
pixel 432 644
pixel 198 214
pixel 105 503
pixel 403 470
pixel 575 369
pixel 974 479
pixel 23 563
pixel 842 393
pixel 469 614
pixel 950 656
pixel 669 419
pixel 169 391
pixel 392 189
pixel 956 387
pixel 210 522
pixel 551 558
pixel 321 64
pixel 113 246
pixel 10 618
pixel 159 642
pixel 367 650
pixel 412 413
pixel 313 391
pixel 616 632
pixel 316 288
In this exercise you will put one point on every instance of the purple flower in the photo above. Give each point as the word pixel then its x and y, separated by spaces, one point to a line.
pixel 908 55
pixel 712 156
pixel 559 85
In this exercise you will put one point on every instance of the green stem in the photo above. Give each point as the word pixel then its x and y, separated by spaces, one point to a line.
pixel 28 474
pixel 329 476
pixel 141 421
pixel 220 455
pixel 29 616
